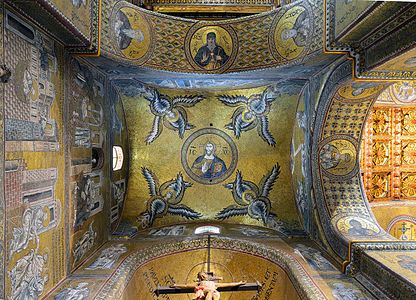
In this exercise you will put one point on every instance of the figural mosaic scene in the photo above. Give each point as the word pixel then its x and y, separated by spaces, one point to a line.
pixel 207 149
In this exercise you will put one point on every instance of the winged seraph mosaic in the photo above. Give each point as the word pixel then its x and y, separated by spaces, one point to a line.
pixel 165 199
pixel 168 112
pixel 252 199
pixel 251 113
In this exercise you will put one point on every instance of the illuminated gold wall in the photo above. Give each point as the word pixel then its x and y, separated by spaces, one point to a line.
pixel 232 266
pixel 253 156
pixel 89 187
pixel 388 159
pixel 34 163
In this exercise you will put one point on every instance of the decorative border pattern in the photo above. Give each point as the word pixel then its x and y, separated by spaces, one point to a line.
pixel 362 52
pixel 400 218
pixel 303 283
pixel 80 43
pixel 2 202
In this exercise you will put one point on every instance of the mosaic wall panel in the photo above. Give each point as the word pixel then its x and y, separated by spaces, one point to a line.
pixel 350 29
pixel 2 198
pixel 396 217
pixel 300 157
pixel 281 37
pixel 89 152
pixel 403 227
pixel 339 124
pixel 197 148
pixel 119 178
pixel 74 23
pixel 34 168
pixel 388 155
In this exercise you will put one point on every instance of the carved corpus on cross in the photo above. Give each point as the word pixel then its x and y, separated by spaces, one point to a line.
pixel 207 287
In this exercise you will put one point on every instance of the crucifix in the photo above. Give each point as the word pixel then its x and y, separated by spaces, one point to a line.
pixel 207 286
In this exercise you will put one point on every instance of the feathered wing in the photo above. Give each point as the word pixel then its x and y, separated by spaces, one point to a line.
pixel 152 181
pixel 187 101
pixel 232 100
pixel 238 187
pixel 160 104
pixel 237 123
pixel 269 95
pixel 184 211
pixel 263 129
pixel 156 130
pixel 232 211
pixel 180 124
pixel 178 186
pixel 267 182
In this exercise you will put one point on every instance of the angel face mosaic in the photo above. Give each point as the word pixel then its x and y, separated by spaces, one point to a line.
pixel 209 156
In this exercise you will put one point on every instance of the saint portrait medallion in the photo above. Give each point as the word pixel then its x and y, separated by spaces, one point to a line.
pixel 209 156
pixel 338 156
pixel 131 33
pixel 211 48
pixel 292 32
pixel 356 226
pixel 360 90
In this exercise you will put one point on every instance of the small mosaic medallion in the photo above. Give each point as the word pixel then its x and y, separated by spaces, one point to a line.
pixel 211 48
pixel 338 157
pixel 131 34
pixel 356 226
pixel 360 90
pixel 209 156
pixel 291 35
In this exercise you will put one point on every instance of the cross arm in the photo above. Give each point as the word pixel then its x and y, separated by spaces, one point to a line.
pixel 163 290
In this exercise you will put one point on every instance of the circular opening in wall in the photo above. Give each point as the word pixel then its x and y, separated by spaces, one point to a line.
pixel 97 158
pixel 118 158
pixel 207 229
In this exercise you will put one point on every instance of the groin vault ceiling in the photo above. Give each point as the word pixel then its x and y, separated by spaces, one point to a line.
pixel 126 132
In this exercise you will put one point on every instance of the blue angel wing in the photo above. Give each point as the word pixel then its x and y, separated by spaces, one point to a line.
pixel 233 100
pixel 267 182
pixel 263 129
pixel 151 180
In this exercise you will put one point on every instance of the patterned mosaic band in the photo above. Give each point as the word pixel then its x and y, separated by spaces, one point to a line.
pixel 304 285
pixel 143 38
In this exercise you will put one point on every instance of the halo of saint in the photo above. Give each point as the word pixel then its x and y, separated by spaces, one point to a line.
pixel 209 156
pixel 211 48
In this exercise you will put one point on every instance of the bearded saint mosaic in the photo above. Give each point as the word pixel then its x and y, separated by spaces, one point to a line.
pixel 209 156
pixel 211 48
pixel 165 199
pixel 168 112
pixel 252 112
pixel 253 200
